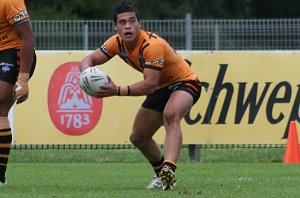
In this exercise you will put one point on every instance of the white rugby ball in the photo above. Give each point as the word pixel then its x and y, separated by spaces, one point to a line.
pixel 91 79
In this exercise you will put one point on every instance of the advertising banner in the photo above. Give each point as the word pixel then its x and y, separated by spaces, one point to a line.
pixel 247 98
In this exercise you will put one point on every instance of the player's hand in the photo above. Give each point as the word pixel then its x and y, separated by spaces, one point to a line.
pixel 107 90
pixel 83 67
pixel 21 89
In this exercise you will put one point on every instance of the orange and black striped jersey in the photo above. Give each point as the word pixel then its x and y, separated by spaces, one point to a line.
pixel 151 52
pixel 12 12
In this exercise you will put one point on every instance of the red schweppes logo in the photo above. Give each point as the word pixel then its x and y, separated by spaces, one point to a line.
pixel 72 111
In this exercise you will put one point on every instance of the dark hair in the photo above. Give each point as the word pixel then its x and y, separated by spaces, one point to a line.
pixel 125 6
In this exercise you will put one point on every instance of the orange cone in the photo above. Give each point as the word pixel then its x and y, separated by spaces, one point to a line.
pixel 292 151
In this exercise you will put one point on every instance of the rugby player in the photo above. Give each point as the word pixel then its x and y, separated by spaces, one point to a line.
pixel 16 59
pixel 169 83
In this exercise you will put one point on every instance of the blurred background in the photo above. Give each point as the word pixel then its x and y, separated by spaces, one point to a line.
pixel 167 9
pixel 186 25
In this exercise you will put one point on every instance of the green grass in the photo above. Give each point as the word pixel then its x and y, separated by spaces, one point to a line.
pixel 207 155
pixel 125 173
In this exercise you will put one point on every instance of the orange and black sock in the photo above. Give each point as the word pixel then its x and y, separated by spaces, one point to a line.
pixel 5 144
pixel 157 166
pixel 171 164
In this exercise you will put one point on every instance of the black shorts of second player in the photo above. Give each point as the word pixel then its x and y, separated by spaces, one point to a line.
pixel 9 65
pixel 158 100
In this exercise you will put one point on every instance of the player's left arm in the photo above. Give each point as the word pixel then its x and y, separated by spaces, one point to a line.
pixel 153 64
pixel 154 60
pixel 144 87
pixel 24 32
pixel 148 85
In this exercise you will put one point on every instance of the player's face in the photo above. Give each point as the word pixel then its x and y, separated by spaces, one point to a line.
pixel 128 27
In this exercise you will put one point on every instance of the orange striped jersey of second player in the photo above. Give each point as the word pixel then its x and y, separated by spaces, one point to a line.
pixel 12 12
pixel 151 52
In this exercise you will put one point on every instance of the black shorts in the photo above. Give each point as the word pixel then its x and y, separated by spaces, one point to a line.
pixel 9 65
pixel 158 100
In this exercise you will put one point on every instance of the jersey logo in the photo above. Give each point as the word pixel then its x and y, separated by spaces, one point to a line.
pixel 21 16
pixel 104 48
pixel 156 62
pixel 5 67
pixel 123 54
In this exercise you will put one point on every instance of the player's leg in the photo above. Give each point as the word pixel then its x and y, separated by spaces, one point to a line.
pixel 180 102
pixel 8 76
pixel 178 105
pixel 146 123
pixel 6 101
pixel 9 69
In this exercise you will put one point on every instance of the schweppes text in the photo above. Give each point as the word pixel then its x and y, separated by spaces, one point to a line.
pixel 248 104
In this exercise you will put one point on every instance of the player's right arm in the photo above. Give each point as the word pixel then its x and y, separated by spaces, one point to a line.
pixel 95 58
pixel 100 56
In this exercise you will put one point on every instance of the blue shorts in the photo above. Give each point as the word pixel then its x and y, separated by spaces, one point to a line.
pixel 158 100
pixel 9 65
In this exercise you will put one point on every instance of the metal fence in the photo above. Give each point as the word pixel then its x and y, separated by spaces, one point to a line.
pixel 185 34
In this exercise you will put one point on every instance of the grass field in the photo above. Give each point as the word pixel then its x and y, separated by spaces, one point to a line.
pixel 125 173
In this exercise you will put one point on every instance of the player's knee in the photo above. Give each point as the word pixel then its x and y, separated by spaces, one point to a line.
pixel 133 139
pixel 136 140
pixel 170 117
pixel 4 123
